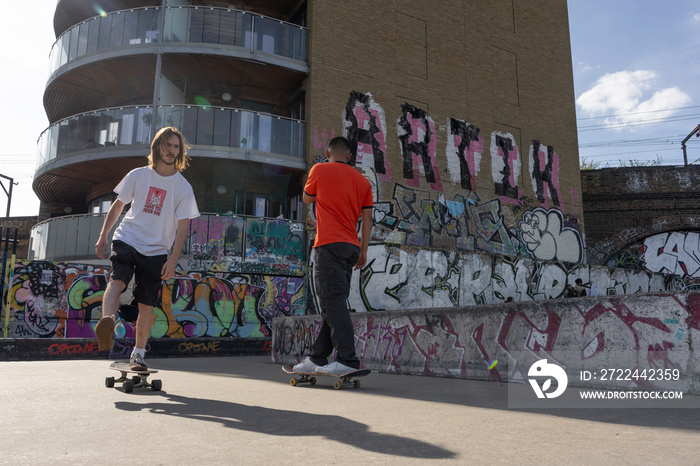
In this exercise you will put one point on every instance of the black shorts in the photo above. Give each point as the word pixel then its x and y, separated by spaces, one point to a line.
pixel 127 261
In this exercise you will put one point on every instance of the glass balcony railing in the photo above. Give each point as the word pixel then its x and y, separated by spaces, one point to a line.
pixel 107 127
pixel 227 127
pixel 183 24
pixel 201 125
pixel 257 243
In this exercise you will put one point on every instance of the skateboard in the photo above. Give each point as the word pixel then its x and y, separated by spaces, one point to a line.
pixel 310 377
pixel 139 380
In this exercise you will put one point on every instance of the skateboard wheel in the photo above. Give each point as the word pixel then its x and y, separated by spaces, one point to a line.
pixel 156 385
pixel 312 380
pixel 337 385
pixel 109 382
pixel 293 382
pixel 128 386
pixel 356 383
pixel 136 379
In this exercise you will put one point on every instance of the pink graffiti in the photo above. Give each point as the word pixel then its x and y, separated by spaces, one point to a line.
pixel 469 155
pixel 419 133
pixel 323 143
pixel 541 161
pixel 363 149
pixel 509 159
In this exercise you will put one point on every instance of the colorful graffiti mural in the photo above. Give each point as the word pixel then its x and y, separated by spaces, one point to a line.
pixel 245 245
pixel 65 301
pixel 675 252
pixel 419 211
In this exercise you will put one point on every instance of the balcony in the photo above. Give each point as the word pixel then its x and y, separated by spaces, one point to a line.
pixel 128 131
pixel 215 243
pixel 95 139
pixel 186 29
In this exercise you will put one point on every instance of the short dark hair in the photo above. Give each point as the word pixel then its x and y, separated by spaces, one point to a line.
pixel 339 144
pixel 579 281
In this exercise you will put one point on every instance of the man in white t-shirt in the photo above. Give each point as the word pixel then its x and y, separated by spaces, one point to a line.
pixel 162 204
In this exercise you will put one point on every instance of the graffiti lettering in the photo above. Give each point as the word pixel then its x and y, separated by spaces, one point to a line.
pixel 198 348
pixel 364 125
pixel 505 166
pixel 64 348
pixel 418 141
pixel 544 173
pixel 464 146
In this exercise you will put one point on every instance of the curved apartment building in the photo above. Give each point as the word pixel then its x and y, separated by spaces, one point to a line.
pixel 231 78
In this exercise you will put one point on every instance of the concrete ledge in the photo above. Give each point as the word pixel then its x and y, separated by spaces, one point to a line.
pixel 80 348
pixel 642 331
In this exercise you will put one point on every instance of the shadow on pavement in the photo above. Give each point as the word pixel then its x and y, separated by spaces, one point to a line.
pixel 289 423
pixel 474 393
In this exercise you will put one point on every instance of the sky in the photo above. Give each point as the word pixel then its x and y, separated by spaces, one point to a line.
pixel 636 71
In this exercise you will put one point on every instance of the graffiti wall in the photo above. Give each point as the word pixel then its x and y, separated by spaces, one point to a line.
pixel 635 331
pixel 446 198
pixel 54 300
pixel 399 279
pixel 676 252
pixel 245 245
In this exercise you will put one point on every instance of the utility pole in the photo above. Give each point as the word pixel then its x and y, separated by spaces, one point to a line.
pixel 696 132
pixel 9 193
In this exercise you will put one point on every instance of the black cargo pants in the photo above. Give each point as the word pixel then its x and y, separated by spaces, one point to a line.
pixel 332 272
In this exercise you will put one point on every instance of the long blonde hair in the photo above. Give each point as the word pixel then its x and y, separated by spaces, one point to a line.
pixel 182 161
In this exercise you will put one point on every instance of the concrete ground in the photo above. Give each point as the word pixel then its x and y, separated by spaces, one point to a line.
pixel 242 410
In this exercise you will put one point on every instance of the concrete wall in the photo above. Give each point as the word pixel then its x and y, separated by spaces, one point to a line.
pixel 398 278
pixel 644 331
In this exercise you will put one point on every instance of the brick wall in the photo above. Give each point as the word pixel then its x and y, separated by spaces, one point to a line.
pixel 484 62
pixel 624 205
pixel 24 226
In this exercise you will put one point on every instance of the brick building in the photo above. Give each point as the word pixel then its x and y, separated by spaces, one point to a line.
pixel 462 113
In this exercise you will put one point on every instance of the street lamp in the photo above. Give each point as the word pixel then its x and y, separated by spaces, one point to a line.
pixel 9 193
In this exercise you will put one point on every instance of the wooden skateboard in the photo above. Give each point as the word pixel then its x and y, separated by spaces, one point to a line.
pixel 310 377
pixel 139 380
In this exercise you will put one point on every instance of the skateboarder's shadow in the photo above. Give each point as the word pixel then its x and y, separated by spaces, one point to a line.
pixel 273 421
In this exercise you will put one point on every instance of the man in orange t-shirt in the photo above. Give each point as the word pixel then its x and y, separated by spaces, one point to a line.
pixel 342 196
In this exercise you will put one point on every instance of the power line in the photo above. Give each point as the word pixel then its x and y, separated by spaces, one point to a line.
pixel 644 141
pixel 638 113
pixel 609 126
pixel 628 153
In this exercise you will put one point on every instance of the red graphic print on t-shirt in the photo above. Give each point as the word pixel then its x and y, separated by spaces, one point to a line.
pixel 156 198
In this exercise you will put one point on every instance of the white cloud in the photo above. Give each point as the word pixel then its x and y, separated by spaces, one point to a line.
pixel 625 96
pixel 696 17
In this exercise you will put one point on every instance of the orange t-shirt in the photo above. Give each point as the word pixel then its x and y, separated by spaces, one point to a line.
pixel 341 194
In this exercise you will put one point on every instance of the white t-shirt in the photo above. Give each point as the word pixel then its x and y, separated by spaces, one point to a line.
pixel 157 203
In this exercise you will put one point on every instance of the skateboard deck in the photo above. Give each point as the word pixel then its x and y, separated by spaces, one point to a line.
pixel 310 377
pixel 138 380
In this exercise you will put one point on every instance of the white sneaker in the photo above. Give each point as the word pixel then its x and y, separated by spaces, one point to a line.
pixel 335 368
pixel 307 365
